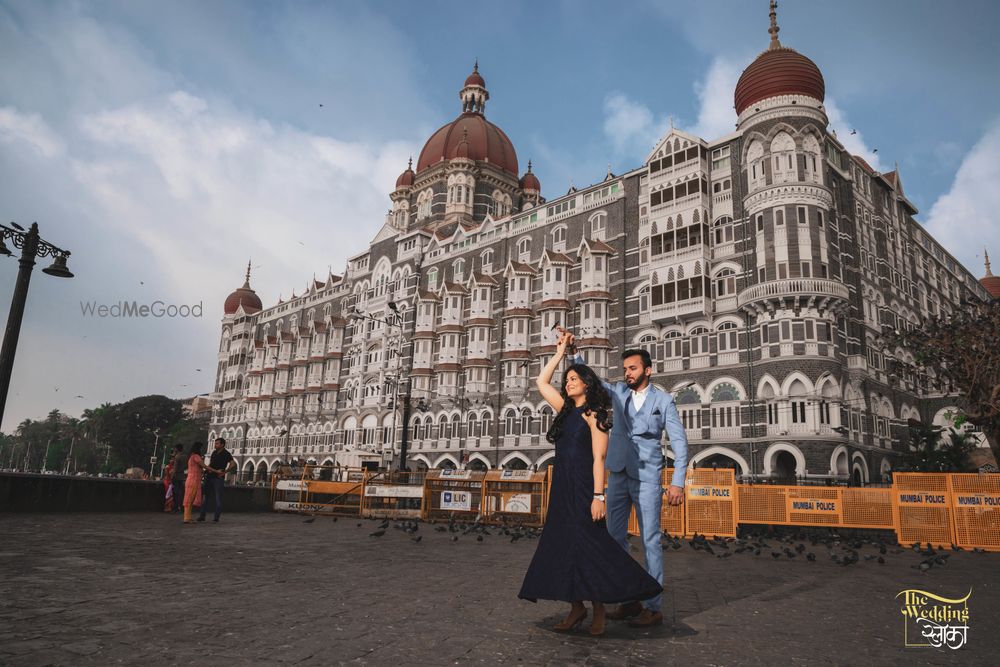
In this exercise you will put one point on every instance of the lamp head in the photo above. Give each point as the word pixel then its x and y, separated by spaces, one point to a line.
pixel 58 267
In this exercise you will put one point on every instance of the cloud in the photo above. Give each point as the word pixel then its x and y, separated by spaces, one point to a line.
pixel 30 129
pixel 964 219
pixel 630 126
pixel 716 115
pixel 854 143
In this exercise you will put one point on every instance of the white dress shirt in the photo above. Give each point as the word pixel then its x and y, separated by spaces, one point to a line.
pixel 639 397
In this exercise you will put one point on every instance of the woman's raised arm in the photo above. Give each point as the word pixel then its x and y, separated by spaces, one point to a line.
pixel 544 380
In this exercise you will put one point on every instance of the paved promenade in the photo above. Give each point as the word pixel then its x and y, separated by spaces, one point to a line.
pixel 273 589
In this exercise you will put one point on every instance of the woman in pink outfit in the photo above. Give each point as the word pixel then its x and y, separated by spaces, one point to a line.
pixel 192 487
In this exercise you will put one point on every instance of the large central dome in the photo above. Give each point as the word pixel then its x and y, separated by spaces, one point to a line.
pixel 778 71
pixel 470 135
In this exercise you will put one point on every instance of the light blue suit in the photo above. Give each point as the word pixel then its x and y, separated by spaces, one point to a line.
pixel 635 462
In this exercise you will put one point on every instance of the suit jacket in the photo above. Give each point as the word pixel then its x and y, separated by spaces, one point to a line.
pixel 634 443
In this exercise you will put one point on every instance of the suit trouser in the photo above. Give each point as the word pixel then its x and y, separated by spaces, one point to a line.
pixel 623 492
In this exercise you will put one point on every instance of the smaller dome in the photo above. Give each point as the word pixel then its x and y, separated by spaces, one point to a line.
pixel 405 179
pixel 475 79
pixel 243 296
pixel 990 281
pixel 529 181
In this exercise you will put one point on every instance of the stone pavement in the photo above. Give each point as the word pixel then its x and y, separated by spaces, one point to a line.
pixel 273 589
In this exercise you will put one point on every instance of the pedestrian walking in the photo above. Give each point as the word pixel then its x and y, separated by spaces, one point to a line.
pixel 180 466
pixel 220 463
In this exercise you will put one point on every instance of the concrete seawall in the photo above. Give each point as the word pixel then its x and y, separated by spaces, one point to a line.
pixel 21 492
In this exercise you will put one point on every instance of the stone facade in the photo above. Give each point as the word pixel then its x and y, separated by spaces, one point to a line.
pixel 760 270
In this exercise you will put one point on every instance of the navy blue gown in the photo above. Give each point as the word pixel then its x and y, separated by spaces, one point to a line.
pixel 576 558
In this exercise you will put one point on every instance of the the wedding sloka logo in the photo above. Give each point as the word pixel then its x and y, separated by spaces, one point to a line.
pixel 933 621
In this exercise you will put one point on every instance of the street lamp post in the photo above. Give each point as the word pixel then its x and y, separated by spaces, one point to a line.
pixel 152 459
pixel 32 246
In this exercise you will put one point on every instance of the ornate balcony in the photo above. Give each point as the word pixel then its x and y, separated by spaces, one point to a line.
pixel 820 293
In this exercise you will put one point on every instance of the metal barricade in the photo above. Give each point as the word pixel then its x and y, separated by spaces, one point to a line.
pixel 395 495
pixel 976 511
pixel 514 496
pixel 710 503
pixel 867 508
pixel 453 493
pixel 922 504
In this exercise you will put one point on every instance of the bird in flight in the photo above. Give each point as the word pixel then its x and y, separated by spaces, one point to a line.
pixel 854 131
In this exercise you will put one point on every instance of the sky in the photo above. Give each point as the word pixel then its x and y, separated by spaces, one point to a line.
pixel 168 144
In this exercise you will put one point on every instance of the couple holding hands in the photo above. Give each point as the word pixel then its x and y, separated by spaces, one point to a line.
pixel 618 426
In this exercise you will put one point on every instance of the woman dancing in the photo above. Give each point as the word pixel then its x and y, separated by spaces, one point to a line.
pixel 576 558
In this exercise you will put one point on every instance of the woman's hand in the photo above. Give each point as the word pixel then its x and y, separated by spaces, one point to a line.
pixel 563 342
pixel 597 509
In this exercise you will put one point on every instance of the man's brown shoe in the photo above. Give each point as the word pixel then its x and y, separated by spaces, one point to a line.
pixel 623 611
pixel 646 619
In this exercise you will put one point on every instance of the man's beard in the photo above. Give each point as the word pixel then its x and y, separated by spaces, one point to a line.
pixel 636 384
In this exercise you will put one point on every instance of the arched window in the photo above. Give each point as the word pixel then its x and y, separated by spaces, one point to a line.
pixel 783 158
pixel 727 337
pixel 725 283
pixel 525 421
pixel 524 248
pixel 432 278
pixel 546 419
pixel 598 225
pixel 559 234
pixel 458 270
pixel 456 426
pixel 424 201
pixel 444 427
pixel 673 345
pixel 486 259
pixel 644 299
pixel 723 230
pixel 699 340
pixel 509 418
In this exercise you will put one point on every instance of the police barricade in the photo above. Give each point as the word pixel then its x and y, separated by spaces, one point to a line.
pixel 514 497
pixel 452 493
pixel 322 492
pixel 976 510
pixel 671 516
pixel 710 502
pixel 922 503
pixel 287 494
pixel 396 495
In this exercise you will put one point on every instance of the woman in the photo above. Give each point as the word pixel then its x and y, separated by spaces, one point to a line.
pixel 192 487
pixel 576 558
pixel 168 489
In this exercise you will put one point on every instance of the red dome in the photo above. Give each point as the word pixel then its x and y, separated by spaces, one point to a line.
pixel 992 285
pixel 778 71
pixel 244 296
pixel 474 79
pixel 529 181
pixel 405 179
pixel 485 142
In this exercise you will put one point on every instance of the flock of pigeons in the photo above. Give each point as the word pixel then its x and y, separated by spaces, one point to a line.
pixel 842 550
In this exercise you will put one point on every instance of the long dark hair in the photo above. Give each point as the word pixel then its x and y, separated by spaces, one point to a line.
pixel 598 402
pixel 198 448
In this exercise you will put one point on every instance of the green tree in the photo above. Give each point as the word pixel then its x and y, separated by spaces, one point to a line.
pixel 961 352
pixel 934 451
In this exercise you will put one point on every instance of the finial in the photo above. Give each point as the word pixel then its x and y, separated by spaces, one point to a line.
pixel 609 169
pixel 475 68
pixel 775 44
pixel 989 274
pixel 529 166
pixel 671 122
pixel 409 165
pixel 246 283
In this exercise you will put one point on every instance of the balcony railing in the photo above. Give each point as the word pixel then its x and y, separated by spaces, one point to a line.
pixel 793 287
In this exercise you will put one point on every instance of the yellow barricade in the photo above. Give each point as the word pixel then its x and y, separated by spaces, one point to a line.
pixel 868 508
pixel 514 496
pixel 453 493
pixel 396 495
pixel 922 503
pixel 710 504
pixel 976 507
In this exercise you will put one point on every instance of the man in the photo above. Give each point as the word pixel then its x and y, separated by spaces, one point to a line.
pixel 635 464
pixel 219 465
pixel 179 476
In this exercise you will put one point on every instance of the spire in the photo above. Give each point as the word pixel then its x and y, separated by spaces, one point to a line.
pixel 409 165
pixel 774 29
pixel 989 274
pixel 246 283
pixel 529 166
